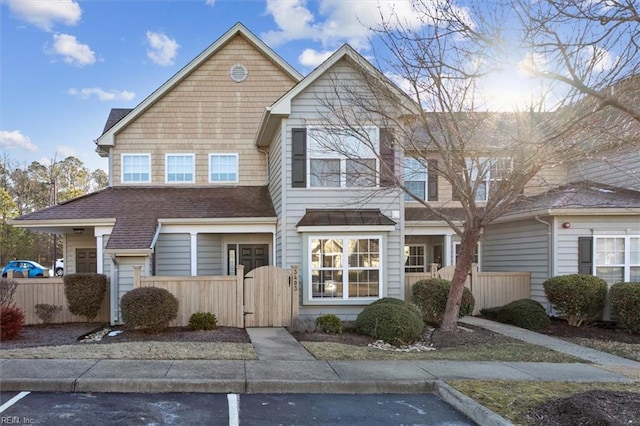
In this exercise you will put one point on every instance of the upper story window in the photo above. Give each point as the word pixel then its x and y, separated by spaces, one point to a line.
pixel 420 179
pixel 490 171
pixel 180 168
pixel 338 159
pixel 223 168
pixel 136 168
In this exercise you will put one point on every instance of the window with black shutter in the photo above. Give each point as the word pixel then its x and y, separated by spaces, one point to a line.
pixel 299 158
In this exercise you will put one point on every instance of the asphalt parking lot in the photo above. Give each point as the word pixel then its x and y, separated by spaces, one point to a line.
pixel 222 409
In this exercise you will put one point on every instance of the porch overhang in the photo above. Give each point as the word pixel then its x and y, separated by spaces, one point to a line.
pixel 129 252
pixel 345 220
pixel 63 226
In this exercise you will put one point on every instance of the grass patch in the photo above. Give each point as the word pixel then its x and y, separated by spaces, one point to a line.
pixel 138 350
pixel 512 399
pixel 524 352
pixel 625 350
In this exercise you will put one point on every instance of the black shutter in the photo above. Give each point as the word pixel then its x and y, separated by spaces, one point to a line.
pixel 299 158
pixel 388 157
pixel 432 180
pixel 585 255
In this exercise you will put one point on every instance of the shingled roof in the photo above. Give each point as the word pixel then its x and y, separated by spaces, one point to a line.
pixel 137 209
pixel 115 115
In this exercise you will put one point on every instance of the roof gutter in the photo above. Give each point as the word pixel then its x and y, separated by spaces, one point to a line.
pixel 156 236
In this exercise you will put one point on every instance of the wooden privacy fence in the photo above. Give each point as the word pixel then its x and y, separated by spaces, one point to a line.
pixel 489 289
pixel 33 291
pixel 261 296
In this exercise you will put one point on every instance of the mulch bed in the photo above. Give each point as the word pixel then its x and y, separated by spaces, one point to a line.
pixel 560 328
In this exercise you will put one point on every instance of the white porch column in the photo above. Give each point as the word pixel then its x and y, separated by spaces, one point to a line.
pixel 99 255
pixel 447 250
pixel 194 254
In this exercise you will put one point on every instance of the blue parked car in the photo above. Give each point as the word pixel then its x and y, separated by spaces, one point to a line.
pixel 28 268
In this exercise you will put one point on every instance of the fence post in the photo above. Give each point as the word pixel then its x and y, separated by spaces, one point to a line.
pixel 295 288
pixel 240 296
pixel 137 273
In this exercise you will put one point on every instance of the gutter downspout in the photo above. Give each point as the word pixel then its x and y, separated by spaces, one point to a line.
pixel 266 156
pixel 549 250
pixel 115 308
pixel 152 256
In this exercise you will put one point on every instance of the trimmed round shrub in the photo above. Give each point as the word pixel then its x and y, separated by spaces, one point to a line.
pixel 85 293
pixel 430 296
pixel 329 323
pixel 523 313
pixel 11 322
pixel 203 321
pixel 150 308
pixel 394 323
pixel 625 301
pixel 577 297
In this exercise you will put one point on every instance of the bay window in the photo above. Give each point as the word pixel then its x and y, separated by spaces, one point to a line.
pixel 345 267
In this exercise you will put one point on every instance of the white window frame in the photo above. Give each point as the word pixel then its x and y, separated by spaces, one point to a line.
pixel 166 167
pixel 424 172
pixel 345 268
pixel 326 154
pixel 224 154
pixel 122 169
pixel 628 261
pixel 487 180
pixel 407 249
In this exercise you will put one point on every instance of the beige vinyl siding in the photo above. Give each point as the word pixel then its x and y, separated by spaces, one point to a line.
pixel 74 242
pixel 305 112
pixel 621 170
pixel 209 254
pixel 173 255
pixel 521 246
pixel 207 113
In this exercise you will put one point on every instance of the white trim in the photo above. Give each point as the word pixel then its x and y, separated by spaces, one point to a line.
pixel 626 266
pixel 347 228
pixel 134 154
pixel 224 154
pixel 99 254
pixel 166 167
pixel 345 269
pixel 194 254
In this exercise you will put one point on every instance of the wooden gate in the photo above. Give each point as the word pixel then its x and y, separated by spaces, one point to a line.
pixel 270 297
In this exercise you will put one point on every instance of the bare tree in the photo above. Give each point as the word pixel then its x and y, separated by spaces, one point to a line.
pixel 444 61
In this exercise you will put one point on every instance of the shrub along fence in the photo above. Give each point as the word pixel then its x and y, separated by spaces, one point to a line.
pixel 33 291
pixel 489 289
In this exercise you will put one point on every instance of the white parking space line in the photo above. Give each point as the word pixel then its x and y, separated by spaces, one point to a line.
pixel 234 409
pixel 13 400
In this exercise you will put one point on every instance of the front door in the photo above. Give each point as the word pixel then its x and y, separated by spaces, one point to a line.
pixel 86 260
pixel 252 256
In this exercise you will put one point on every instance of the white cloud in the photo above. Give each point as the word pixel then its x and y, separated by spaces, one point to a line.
pixel 313 58
pixel 210 2
pixel 103 95
pixel 45 13
pixel 72 51
pixel 163 50
pixel 16 140
pixel 64 151
pixel 338 21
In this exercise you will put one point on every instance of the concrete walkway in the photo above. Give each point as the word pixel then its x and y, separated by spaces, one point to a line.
pixel 284 366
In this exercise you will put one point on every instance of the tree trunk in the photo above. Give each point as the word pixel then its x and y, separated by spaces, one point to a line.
pixel 463 266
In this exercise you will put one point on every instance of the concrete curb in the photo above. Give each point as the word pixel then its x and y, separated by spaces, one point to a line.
pixel 469 407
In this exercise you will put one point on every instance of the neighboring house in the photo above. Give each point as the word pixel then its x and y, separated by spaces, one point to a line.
pixel 222 165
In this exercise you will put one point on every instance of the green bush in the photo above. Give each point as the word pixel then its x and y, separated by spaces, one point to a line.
pixel 11 322
pixel 524 313
pixel 203 321
pixel 578 297
pixel 329 323
pixel 431 295
pixel 46 312
pixel 85 293
pixel 8 288
pixel 397 324
pixel 625 301
pixel 149 308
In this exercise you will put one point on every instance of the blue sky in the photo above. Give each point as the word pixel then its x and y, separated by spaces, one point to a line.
pixel 66 63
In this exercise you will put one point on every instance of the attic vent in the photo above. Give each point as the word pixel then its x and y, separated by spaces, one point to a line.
pixel 238 73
